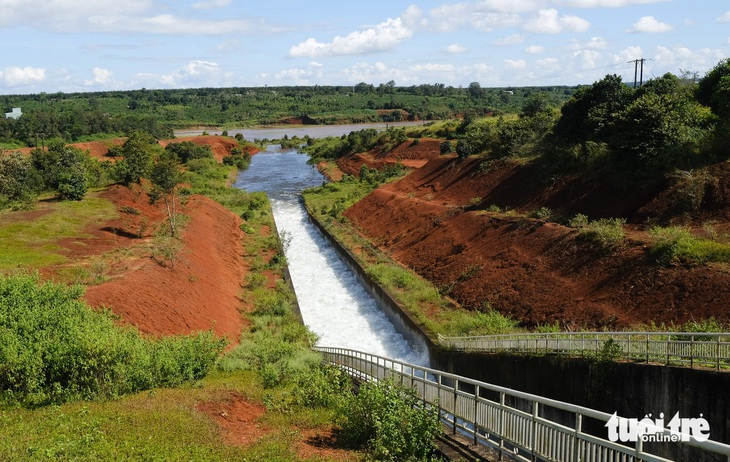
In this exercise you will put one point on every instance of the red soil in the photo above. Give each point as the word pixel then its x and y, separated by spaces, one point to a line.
pixel 434 221
pixel 200 291
pixel 241 425
pixel 409 154
pixel 220 145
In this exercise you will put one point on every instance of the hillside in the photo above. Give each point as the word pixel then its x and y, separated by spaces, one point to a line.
pixel 438 221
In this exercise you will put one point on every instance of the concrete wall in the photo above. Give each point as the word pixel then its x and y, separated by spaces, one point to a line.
pixel 632 390
pixel 401 320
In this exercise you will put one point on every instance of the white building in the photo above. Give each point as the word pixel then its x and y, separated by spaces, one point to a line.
pixel 14 114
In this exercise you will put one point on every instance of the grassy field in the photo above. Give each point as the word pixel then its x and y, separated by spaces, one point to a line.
pixel 31 243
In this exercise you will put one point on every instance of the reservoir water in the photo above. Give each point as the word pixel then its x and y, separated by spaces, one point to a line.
pixel 332 302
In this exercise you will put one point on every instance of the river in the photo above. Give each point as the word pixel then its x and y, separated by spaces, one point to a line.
pixel 314 131
pixel 332 302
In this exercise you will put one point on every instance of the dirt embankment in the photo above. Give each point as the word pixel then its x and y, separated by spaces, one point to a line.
pixel 197 289
pixel 435 221
pixel 221 146
pixel 412 154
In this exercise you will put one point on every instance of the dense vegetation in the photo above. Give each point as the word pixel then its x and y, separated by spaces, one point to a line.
pixel 633 135
pixel 80 116
pixel 56 349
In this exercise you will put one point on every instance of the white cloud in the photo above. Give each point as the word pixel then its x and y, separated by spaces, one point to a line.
pixel 101 77
pixel 433 68
pixel 606 3
pixel 455 49
pixel 385 36
pixel 211 4
pixel 587 59
pixel 595 43
pixel 509 40
pixel 194 73
pixel 515 63
pixel 548 64
pixel 113 16
pixel 413 17
pixel 480 16
pixel 548 22
pixel 535 49
pixel 627 54
pixel 686 58
pixel 651 25
pixel 724 18
pixel 17 76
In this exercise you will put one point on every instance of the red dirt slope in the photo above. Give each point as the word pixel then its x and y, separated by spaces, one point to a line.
pixel 411 154
pixel 220 145
pixel 200 292
pixel 534 271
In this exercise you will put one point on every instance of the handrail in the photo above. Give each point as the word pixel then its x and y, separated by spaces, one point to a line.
pixel 702 349
pixel 514 422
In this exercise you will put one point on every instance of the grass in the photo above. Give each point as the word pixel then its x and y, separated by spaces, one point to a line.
pixel 267 369
pixel 420 298
pixel 160 425
pixel 606 233
pixel 32 243
pixel 678 244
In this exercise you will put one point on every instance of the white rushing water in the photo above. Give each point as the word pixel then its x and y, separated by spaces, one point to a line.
pixel 333 303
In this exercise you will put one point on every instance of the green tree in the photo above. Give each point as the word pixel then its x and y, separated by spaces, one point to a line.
pixel 663 127
pixel 713 89
pixel 19 181
pixel 166 176
pixel 188 150
pixel 72 181
pixel 588 115
pixel 138 152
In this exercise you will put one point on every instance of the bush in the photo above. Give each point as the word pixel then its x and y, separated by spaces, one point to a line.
pixel 390 421
pixel 57 349
pixel 677 244
pixel 606 233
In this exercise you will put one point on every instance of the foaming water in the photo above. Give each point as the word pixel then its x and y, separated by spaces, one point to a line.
pixel 333 303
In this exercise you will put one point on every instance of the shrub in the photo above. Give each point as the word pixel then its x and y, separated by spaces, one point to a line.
pixel 606 233
pixel 57 349
pixel 390 421
pixel 446 147
pixel 677 243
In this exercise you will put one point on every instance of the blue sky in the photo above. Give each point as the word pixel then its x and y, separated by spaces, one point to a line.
pixel 94 45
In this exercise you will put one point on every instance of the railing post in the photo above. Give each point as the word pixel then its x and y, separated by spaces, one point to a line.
pixel 647 348
pixel 501 424
pixel 533 436
pixel 692 352
pixel 576 440
pixel 476 410
pixel 717 350
pixel 453 413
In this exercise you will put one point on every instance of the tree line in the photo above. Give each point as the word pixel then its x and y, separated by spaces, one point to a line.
pixel 79 116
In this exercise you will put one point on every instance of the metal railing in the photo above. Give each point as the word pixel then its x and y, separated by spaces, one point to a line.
pixel 701 349
pixel 523 426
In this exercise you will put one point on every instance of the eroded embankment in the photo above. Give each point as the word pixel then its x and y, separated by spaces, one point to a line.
pixel 435 221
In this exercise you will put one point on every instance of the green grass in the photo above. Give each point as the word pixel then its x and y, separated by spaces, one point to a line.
pixel 677 244
pixel 32 243
pixel 420 298
pixel 272 367
pixel 163 424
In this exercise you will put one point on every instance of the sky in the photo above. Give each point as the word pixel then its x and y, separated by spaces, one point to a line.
pixel 98 45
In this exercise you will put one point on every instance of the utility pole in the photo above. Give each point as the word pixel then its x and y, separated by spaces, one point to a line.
pixel 636 69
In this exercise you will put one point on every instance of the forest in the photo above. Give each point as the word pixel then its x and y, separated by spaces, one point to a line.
pixel 78 117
